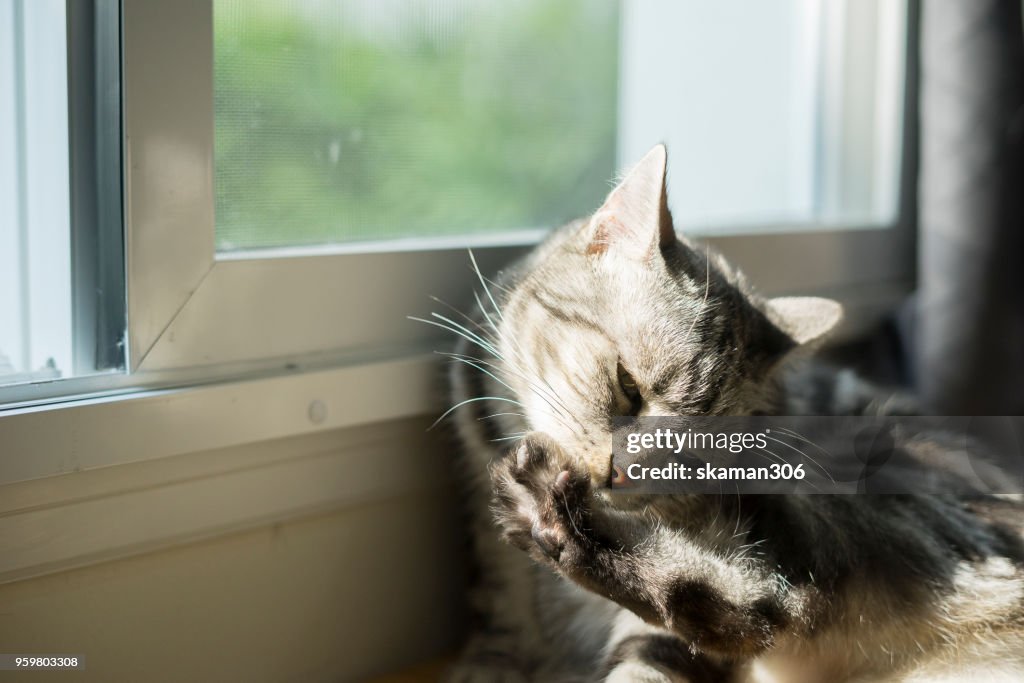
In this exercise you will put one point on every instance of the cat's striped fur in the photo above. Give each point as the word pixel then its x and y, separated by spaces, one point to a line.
pixel 694 588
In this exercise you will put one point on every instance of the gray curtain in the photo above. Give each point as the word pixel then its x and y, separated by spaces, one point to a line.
pixel 968 340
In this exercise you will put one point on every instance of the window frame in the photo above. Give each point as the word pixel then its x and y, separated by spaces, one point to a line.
pixel 190 306
pixel 196 316
pixel 95 151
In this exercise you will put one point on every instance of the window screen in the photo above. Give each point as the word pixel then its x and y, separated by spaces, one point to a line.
pixel 368 120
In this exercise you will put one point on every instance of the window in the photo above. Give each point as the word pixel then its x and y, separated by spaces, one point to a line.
pixel 358 120
pixel 780 114
pixel 355 120
pixel 61 280
pixel 249 251
pixel 301 175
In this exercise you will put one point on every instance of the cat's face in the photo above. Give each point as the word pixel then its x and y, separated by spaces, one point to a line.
pixel 618 316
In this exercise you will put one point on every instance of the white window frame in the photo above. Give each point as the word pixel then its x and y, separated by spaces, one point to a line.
pixel 190 307
pixel 196 315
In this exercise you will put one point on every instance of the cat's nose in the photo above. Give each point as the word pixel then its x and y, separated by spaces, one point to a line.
pixel 618 478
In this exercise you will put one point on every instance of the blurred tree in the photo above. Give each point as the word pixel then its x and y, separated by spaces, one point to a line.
pixel 349 121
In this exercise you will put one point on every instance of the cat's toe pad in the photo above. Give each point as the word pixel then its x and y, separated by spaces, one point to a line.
pixel 548 539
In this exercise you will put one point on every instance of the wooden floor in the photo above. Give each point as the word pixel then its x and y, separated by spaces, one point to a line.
pixel 429 672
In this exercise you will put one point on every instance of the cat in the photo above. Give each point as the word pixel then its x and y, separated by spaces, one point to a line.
pixel 616 314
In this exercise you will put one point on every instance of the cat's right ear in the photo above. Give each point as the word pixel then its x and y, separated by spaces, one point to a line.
pixel 634 220
pixel 806 320
pixel 791 326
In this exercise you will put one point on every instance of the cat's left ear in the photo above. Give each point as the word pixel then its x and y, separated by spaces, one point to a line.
pixel 805 319
pixel 634 219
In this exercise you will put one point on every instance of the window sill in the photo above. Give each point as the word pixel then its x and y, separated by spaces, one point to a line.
pixel 86 482
pixel 46 441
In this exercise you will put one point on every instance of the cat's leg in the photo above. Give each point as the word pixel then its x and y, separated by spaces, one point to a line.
pixel 481 662
pixel 546 507
pixel 537 626
pixel 502 646
pixel 639 652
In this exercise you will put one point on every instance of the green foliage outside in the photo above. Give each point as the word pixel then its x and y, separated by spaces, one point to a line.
pixel 335 126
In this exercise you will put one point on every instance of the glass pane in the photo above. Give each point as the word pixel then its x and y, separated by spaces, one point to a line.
pixel 35 265
pixel 369 119
pixel 61 277
pixel 777 113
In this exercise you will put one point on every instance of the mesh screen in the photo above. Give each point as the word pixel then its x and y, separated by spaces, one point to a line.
pixel 347 120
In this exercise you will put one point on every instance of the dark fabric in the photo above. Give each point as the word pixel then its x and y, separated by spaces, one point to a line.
pixel 968 341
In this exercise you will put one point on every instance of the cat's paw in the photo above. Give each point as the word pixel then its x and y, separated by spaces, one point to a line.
pixel 713 623
pixel 542 500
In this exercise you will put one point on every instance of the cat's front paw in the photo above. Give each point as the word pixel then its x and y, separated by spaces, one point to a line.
pixel 542 500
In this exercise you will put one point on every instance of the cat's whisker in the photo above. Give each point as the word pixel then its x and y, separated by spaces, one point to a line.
pixel 557 406
pixel 562 409
pixel 568 509
pixel 472 400
pixel 739 508
pixel 801 437
pixel 498 285
pixel 470 319
pixel 480 340
pixel 472 364
pixel 483 361
pixel 525 378
pixel 517 350
pixel 482 345
pixel 548 395
pixel 487 316
pixel 718 515
pixel 777 461
pixel 813 461
pixel 483 283
pixel 534 382
pixel 492 415
pixel 493 348
pixel 805 483
pixel 517 435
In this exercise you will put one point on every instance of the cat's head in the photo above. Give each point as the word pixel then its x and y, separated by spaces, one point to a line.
pixel 617 315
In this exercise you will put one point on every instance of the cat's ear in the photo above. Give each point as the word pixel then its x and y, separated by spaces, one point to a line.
pixel 805 319
pixel 634 219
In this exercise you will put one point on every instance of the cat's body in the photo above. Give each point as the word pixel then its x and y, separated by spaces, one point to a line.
pixel 615 315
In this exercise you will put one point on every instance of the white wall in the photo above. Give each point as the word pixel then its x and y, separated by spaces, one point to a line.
pixel 366 586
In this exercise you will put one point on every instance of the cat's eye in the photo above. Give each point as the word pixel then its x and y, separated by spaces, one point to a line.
pixel 630 389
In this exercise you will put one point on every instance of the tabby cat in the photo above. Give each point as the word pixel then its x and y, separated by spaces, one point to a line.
pixel 616 314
